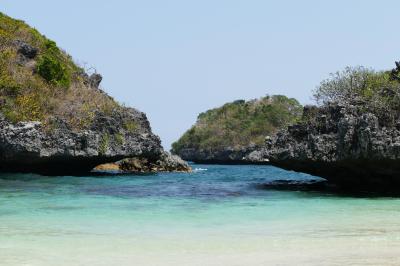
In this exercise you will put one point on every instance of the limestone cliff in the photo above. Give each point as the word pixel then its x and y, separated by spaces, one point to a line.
pixel 54 117
pixel 345 144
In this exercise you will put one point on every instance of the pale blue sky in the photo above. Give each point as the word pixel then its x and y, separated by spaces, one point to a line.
pixel 175 59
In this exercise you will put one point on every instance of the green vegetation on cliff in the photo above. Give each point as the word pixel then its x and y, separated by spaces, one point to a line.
pixel 377 92
pixel 240 123
pixel 39 81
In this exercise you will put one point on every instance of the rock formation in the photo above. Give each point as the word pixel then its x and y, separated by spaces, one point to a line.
pixel 31 147
pixel 345 144
pixel 224 155
pixel 164 163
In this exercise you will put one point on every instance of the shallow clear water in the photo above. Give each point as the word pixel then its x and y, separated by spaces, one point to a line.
pixel 217 216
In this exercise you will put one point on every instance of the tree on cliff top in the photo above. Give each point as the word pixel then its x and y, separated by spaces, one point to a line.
pixel 374 91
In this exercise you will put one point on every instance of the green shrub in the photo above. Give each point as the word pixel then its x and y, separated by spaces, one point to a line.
pixel 104 143
pixel 372 91
pixel 51 45
pixel 353 82
pixel 52 70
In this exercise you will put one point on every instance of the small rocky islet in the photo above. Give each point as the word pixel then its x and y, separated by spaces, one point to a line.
pixel 55 118
pixel 228 133
pixel 166 162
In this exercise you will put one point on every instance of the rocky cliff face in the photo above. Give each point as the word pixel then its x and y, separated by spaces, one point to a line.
pixel 32 147
pixel 225 155
pixel 345 144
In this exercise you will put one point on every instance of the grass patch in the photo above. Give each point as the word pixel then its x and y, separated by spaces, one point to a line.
pixel 119 139
pixel 130 126
pixel 104 143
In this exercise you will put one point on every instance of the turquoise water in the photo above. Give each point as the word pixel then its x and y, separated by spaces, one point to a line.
pixel 217 216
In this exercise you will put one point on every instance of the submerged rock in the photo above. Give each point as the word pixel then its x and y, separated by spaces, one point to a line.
pixel 296 185
pixel 164 163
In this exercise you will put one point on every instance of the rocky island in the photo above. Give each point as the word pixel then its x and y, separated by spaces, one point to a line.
pixel 55 118
pixel 228 133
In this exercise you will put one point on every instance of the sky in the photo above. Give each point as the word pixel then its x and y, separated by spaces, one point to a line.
pixel 176 59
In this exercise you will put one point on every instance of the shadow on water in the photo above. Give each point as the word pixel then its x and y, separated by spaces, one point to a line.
pixel 209 182
pixel 34 176
pixel 323 188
